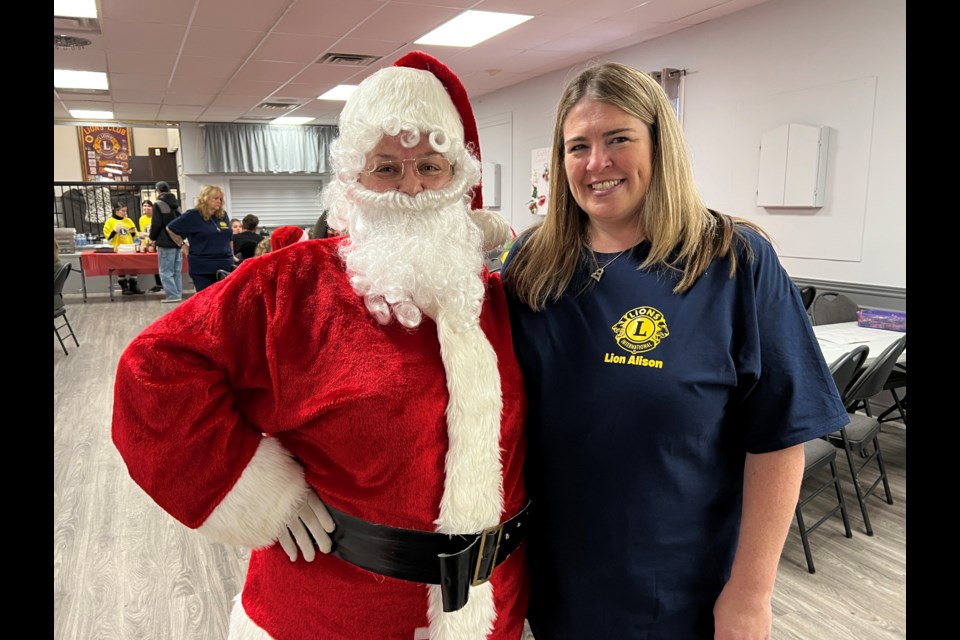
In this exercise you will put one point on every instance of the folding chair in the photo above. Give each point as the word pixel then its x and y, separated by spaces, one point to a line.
pixel 861 437
pixel 59 279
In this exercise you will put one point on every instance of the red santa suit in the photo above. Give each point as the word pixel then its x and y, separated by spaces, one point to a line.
pixel 281 381
pixel 285 385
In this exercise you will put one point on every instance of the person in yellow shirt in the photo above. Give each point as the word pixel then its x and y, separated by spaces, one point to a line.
pixel 145 220
pixel 118 230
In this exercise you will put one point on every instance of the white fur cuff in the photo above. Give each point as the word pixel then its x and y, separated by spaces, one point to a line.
pixel 264 499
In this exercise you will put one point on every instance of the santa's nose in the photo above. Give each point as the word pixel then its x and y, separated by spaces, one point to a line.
pixel 410 182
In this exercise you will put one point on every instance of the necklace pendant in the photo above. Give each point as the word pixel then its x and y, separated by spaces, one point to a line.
pixel 596 275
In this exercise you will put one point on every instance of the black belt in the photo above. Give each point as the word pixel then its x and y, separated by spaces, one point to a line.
pixel 455 561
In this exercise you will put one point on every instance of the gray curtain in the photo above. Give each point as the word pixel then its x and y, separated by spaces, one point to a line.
pixel 261 148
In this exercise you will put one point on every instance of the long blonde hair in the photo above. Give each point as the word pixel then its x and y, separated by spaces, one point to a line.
pixel 685 236
pixel 202 203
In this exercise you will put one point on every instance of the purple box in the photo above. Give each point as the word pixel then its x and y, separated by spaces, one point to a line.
pixel 882 319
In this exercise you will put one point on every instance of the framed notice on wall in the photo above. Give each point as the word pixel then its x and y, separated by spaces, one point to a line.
pixel 105 153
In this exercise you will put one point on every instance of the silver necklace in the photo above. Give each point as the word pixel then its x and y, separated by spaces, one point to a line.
pixel 596 275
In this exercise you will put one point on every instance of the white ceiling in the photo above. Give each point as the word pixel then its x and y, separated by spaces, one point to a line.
pixel 219 60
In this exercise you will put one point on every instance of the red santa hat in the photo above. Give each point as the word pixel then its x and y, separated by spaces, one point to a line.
pixel 496 230
pixel 458 96
pixel 421 92
pixel 285 236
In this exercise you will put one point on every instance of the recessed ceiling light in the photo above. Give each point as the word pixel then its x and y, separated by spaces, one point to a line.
pixel 82 114
pixel 66 79
pixel 340 92
pixel 75 8
pixel 472 27
pixel 291 120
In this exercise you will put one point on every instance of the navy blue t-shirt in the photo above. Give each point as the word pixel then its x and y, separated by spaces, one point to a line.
pixel 643 405
pixel 209 241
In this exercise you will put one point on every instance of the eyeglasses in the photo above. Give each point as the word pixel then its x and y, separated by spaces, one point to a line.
pixel 429 170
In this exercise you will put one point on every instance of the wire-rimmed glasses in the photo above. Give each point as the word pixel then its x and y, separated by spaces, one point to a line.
pixel 430 170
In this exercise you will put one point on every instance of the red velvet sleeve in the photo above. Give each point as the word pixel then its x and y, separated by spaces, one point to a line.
pixel 175 421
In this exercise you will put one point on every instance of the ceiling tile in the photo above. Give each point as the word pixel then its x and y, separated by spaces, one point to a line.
pixel 327 74
pixel 250 88
pixel 204 67
pixel 83 60
pixel 533 33
pixel 292 47
pixel 214 43
pixel 179 98
pixel 145 11
pixel 123 37
pixel 712 13
pixel 179 113
pixel 123 113
pixel 403 22
pixel 238 101
pixel 334 19
pixel 195 84
pixel 229 14
pixel 300 91
pixel 526 7
pixel 159 63
pixel 235 55
pixel 137 82
pixel 260 71
pixel 367 47
pixel 90 105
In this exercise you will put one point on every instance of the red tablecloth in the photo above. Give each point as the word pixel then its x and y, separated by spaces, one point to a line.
pixel 101 264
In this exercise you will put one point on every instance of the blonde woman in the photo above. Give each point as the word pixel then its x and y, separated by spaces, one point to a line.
pixel 207 230
pixel 674 378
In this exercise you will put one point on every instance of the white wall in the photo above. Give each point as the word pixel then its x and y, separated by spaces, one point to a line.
pixel 845 62
pixel 144 138
pixel 66 155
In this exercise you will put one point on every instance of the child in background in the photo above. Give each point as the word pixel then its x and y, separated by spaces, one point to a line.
pixel 118 230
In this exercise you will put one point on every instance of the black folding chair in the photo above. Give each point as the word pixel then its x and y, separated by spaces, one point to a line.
pixel 59 279
pixel 860 438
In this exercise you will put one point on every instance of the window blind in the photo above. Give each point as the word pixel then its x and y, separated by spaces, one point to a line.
pixel 277 201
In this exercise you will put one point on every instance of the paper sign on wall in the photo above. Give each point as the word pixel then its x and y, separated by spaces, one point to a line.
pixel 539 181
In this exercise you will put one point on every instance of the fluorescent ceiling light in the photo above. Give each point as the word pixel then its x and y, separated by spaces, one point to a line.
pixel 75 8
pixel 472 27
pixel 291 120
pixel 81 114
pixel 65 79
pixel 340 92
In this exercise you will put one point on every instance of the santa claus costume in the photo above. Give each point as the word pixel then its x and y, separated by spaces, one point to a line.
pixel 375 370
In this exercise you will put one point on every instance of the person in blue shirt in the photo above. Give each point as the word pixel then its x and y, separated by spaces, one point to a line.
pixel 207 231
pixel 672 377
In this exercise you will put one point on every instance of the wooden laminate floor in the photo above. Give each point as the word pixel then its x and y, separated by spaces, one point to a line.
pixel 123 569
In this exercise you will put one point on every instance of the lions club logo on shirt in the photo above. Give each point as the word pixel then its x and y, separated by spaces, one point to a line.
pixel 640 330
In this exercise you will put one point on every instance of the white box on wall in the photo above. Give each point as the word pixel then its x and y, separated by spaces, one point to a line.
pixel 793 166
pixel 490 184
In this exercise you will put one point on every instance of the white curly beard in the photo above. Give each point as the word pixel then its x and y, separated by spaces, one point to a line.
pixel 407 256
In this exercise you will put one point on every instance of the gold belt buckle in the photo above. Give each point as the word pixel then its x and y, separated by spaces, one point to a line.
pixel 477 578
